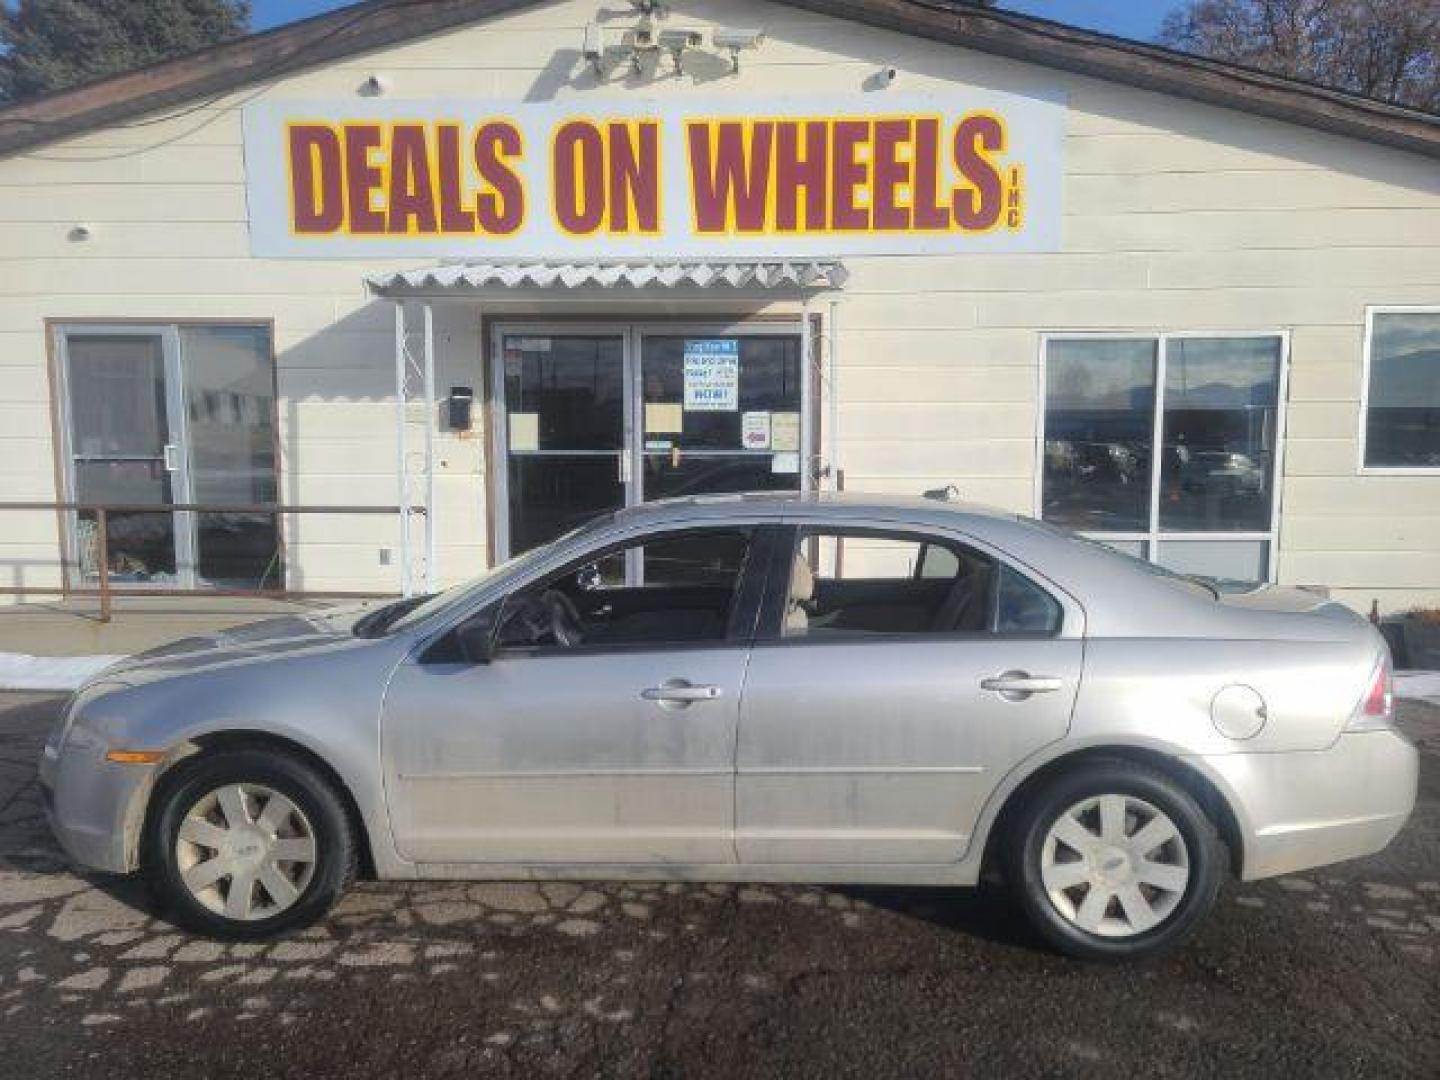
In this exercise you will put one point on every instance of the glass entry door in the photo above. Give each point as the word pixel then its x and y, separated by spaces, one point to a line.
pixel 565 432
pixel 593 418
pixel 159 415
pixel 125 447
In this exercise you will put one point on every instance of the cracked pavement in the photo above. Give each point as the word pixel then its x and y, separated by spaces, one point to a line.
pixel 1335 972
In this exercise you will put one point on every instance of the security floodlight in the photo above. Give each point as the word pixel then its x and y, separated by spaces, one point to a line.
pixel 594 49
pixel 675 42
pixel 736 40
pixel 739 39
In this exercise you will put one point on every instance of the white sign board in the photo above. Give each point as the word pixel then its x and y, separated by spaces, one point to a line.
pixel 702 177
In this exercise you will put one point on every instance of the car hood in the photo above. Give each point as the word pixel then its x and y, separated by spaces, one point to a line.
pixel 267 637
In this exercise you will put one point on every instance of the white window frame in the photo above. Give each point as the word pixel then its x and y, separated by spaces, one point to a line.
pixel 1153 537
pixel 1364 423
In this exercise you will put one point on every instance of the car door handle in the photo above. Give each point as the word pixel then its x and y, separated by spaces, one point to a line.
pixel 1021 683
pixel 681 692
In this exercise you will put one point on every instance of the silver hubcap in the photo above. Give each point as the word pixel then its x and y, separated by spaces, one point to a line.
pixel 245 851
pixel 1114 865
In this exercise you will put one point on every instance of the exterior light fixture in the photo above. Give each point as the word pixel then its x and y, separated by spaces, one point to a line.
pixel 374 85
pixel 80 232
pixel 675 42
pixel 737 41
pixel 594 50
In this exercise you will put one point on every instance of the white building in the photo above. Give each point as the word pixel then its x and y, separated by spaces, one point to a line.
pixel 1188 308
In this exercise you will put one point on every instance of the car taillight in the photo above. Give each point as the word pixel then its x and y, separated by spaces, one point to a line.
pixel 1377 709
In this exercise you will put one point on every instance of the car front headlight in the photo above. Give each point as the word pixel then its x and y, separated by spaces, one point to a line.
pixel 78 701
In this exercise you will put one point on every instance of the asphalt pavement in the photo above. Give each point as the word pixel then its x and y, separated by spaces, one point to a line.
pixel 1331 973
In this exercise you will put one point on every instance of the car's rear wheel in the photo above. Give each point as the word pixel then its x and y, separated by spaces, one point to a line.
pixel 246 844
pixel 1114 860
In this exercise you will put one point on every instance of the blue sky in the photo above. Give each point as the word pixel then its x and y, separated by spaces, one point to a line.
pixel 1127 18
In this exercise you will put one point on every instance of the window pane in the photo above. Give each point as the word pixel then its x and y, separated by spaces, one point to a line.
pixel 688 592
pixel 117 395
pixel 1099 424
pixel 1022 607
pixel 713 474
pixel 574 386
pixel 1402 426
pixel 880 584
pixel 230 407
pixel 1217 469
pixel 769 382
pixel 1226 560
pixel 552 494
pixel 140 546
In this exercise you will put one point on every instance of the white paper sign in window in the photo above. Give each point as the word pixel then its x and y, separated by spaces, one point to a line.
pixel 712 375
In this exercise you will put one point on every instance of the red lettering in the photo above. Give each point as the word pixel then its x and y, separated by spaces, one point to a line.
pixel 500 208
pixel 927 211
pixel 317 200
pixel 978 205
pixel 847 174
pixel 454 216
pixel 362 178
pixel 797 173
pixel 723 177
pixel 634 176
pixel 412 195
pixel 579 171
pixel 888 172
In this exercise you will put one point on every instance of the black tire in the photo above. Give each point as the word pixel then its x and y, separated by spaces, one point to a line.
pixel 336 852
pixel 1025 848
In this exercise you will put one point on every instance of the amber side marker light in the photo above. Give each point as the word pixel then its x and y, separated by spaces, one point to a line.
pixel 135 757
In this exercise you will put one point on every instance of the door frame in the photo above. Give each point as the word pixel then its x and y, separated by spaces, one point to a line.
pixel 186 542
pixel 632 332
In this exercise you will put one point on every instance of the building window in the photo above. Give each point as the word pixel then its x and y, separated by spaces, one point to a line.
pixel 1401 418
pixel 155 415
pixel 1166 446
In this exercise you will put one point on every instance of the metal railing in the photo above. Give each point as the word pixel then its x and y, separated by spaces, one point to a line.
pixel 106 590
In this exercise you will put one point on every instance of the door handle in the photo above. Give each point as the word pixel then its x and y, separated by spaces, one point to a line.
pixel 1018 685
pixel 681 693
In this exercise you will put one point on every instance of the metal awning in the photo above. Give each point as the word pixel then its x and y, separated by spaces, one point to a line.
pixel 461 277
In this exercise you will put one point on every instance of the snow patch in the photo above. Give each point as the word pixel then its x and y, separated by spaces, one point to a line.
pixel 21 672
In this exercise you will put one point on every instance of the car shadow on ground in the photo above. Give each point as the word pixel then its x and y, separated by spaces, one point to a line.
pixel 986 912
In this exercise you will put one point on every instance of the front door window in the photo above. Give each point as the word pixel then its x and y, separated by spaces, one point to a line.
pixel 565 432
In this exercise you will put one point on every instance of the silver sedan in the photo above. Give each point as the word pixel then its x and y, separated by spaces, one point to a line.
pixel 755 688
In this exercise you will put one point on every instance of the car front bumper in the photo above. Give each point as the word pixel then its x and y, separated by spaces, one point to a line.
pixel 1306 809
pixel 94 807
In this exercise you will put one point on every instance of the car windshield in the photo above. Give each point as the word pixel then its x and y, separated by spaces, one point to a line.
pixel 414 610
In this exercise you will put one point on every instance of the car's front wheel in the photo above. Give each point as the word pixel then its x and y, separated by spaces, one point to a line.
pixel 1114 860
pixel 246 844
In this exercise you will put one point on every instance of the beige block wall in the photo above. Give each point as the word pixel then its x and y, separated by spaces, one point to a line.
pixel 1178 216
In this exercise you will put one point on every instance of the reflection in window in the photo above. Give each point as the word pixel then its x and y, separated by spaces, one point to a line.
pixel 229 381
pixel 1402 422
pixel 1218 464
pixel 687 595
pixel 847 582
pixel 1099 426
